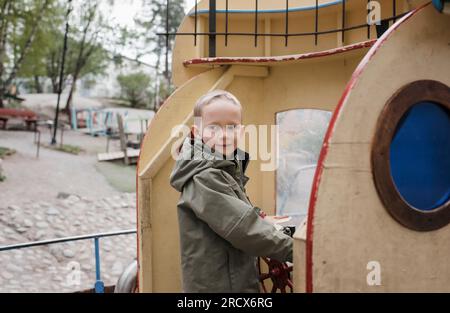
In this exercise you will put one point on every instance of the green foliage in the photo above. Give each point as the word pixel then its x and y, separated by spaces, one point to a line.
pixel 65 148
pixel 33 33
pixel 6 152
pixel 153 20
pixel 70 149
pixel 21 23
pixel 134 88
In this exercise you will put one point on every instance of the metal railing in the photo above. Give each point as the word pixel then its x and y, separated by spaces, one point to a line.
pixel 99 286
pixel 212 33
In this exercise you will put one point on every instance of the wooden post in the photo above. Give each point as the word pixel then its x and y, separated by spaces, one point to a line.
pixel 123 141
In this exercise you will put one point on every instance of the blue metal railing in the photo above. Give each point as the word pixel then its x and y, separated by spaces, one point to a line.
pixel 99 286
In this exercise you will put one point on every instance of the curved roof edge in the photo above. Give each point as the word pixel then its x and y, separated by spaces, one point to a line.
pixel 296 9
pixel 276 59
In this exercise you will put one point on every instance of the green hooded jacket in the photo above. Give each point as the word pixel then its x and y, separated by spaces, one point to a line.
pixel 221 232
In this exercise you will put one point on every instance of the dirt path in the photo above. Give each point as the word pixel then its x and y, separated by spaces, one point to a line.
pixel 29 178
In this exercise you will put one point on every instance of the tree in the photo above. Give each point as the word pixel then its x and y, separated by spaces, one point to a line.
pixel 153 20
pixel 134 88
pixel 85 53
pixel 48 39
pixel 52 59
pixel 91 24
pixel 19 25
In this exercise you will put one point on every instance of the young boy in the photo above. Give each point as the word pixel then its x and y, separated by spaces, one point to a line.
pixel 221 232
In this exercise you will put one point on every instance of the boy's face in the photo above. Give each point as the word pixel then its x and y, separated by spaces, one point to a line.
pixel 220 126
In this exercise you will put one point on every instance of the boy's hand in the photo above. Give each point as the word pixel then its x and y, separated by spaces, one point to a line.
pixel 277 219
pixel 277 222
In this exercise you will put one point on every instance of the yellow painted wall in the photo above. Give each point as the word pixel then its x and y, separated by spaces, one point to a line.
pixel 305 84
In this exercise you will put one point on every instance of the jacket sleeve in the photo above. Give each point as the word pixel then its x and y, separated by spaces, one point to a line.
pixel 214 201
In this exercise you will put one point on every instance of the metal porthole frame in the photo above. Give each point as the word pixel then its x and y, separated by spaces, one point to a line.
pixel 443 6
pixel 403 100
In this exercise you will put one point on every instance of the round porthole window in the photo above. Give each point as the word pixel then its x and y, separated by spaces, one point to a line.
pixel 411 155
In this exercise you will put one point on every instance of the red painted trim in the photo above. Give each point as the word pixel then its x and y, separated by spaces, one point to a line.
pixel 323 153
pixel 280 59
pixel 137 217
pixel 24 113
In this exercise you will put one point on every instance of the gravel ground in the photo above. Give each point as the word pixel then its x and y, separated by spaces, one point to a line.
pixel 57 195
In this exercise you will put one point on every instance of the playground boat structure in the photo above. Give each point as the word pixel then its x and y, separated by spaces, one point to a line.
pixel 317 55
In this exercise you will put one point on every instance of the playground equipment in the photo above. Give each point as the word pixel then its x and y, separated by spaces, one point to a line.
pixel 27 116
pixel 366 229
pixel 129 155
pixel 116 124
pixel 101 121
pixel 90 121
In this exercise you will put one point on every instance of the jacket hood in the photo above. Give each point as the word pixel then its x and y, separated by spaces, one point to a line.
pixel 195 157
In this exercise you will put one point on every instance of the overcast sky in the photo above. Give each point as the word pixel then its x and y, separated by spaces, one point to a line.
pixel 124 12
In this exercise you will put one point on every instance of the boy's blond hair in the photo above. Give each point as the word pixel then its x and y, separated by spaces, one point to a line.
pixel 213 95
